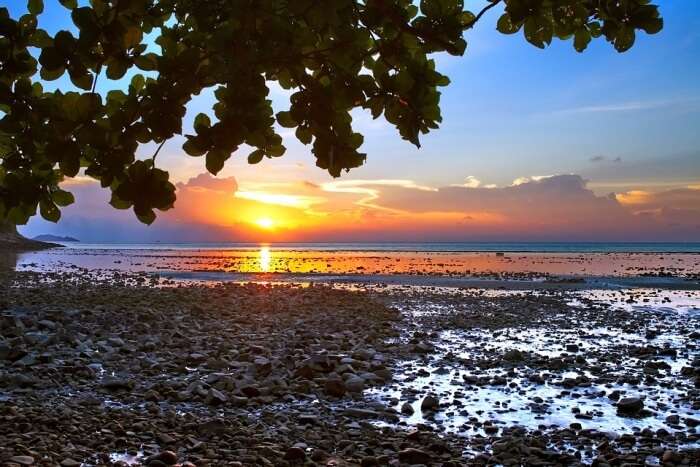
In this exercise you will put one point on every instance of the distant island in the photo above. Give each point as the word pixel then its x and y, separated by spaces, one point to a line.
pixel 54 238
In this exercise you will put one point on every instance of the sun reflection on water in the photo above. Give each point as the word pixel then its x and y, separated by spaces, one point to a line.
pixel 265 258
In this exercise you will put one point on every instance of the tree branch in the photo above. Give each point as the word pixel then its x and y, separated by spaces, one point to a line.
pixel 158 150
pixel 471 23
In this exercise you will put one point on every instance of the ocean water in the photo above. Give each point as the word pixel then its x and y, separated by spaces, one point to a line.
pixel 465 247
pixel 378 260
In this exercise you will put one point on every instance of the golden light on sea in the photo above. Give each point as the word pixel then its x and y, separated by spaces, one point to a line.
pixel 265 258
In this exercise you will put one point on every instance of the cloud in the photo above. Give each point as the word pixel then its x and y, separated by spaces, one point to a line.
pixel 533 208
pixel 560 207
pixel 282 199
pixel 633 106
pixel 596 159
pixel 207 182
pixel 532 178
pixel 471 182
pixel 687 199
pixel 368 189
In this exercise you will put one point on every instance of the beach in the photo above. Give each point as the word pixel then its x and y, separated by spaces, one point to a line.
pixel 268 356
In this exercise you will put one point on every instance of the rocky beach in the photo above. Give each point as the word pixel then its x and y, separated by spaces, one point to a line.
pixel 122 368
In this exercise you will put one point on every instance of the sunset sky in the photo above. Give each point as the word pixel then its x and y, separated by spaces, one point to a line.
pixel 546 145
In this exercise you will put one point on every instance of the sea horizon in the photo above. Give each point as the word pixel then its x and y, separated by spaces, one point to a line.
pixel 405 246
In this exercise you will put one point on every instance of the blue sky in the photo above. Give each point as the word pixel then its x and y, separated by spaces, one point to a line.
pixel 514 110
pixel 622 122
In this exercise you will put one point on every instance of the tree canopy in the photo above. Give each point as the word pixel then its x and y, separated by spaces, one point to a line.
pixel 333 57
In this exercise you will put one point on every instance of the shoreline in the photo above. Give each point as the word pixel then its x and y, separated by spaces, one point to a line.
pixel 548 283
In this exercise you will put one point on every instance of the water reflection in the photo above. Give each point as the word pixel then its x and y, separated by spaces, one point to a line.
pixel 265 258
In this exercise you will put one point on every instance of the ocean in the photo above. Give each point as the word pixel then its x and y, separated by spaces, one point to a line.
pixel 464 247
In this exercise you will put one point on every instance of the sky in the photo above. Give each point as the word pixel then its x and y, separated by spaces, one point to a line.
pixel 535 145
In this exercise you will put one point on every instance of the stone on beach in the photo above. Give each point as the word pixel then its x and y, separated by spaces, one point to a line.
pixel 630 405
pixel 430 403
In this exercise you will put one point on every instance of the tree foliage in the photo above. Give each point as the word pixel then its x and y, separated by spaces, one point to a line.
pixel 333 57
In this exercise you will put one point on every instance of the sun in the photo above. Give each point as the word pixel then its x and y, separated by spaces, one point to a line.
pixel 265 223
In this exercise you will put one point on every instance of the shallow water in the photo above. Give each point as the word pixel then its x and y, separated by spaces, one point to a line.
pixel 267 259
pixel 469 406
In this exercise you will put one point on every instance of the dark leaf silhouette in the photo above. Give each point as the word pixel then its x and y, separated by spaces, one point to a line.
pixel 334 56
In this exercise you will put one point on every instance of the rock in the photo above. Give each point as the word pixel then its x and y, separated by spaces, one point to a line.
pixel 361 413
pixel 691 422
pixel 116 342
pixel 424 347
pixel 670 457
pixel 212 427
pixel 407 409
pixel 295 453
pixel 164 438
pixel 430 403
pixel 334 387
pixel 319 455
pixel 70 463
pixel 630 405
pixel 369 461
pixel 114 383
pixel 239 401
pixel 250 391
pixel 22 460
pixel 414 456
pixel 263 366
pixel 513 356
pixel 355 384
pixel 167 457
pixel 216 397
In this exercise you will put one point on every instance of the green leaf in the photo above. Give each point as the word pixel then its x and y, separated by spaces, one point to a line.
pixel 51 59
pixel 581 39
pixel 83 81
pixel 652 25
pixel 276 150
pixel 132 37
pixel 36 7
pixel 116 67
pixel 40 38
pixel 201 122
pixel 303 134
pixel 50 75
pixel 49 211
pixel 505 25
pixel 286 120
pixel 147 62
pixel 69 163
pixel 256 156
pixel 192 148
pixel 70 4
pixel 138 82
pixel 147 216
pixel 215 161
pixel 624 39
pixel 62 198
pixel 118 203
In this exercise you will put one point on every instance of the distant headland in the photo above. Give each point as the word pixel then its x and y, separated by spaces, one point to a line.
pixel 54 238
